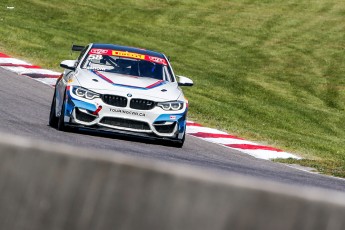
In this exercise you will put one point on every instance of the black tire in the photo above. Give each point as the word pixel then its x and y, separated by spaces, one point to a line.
pixel 61 122
pixel 53 120
pixel 179 143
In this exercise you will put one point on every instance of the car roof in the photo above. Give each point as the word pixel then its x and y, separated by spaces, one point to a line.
pixel 127 48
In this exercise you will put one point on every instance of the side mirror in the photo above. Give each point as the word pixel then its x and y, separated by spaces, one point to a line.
pixel 68 64
pixel 184 81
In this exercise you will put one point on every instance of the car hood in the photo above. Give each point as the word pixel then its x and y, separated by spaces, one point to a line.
pixel 119 84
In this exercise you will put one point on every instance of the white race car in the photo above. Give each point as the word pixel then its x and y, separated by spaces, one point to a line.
pixel 121 89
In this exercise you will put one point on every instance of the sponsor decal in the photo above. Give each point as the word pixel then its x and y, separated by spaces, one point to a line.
pixel 100 51
pixel 128 54
pixel 96 68
pixel 172 117
pixel 127 112
pixel 157 60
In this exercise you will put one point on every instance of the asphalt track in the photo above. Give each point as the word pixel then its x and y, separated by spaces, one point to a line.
pixel 24 111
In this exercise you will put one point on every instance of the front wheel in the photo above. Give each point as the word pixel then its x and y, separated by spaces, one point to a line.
pixel 53 120
pixel 61 121
pixel 179 143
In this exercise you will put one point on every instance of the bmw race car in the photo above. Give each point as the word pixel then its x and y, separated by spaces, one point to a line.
pixel 121 89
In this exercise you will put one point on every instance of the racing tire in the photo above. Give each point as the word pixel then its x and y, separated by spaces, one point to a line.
pixel 61 120
pixel 179 143
pixel 53 120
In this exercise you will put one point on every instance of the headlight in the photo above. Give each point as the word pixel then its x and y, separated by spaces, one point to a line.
pixel 171 105
pixel 85 93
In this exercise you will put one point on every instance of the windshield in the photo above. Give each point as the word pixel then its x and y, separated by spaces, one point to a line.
pixel 127 63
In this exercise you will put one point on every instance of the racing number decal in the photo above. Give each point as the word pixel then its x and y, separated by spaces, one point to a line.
pixel 95 57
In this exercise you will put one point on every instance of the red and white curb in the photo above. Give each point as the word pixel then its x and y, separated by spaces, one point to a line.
pixel 208 134
pixel 234 142
pixel 24 68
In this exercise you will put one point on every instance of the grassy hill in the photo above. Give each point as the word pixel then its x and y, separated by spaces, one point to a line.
pixel 267 70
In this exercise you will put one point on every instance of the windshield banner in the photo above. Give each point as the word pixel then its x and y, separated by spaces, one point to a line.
pixel 126 54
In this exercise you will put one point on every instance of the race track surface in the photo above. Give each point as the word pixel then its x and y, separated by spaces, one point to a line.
pixel 24 111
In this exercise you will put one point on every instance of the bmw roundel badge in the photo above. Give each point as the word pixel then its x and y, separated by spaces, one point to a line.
pixel 129 95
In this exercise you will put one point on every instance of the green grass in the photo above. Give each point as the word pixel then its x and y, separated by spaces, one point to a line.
pixel 266 70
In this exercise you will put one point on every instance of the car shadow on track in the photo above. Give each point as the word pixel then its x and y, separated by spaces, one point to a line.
pixel 119 136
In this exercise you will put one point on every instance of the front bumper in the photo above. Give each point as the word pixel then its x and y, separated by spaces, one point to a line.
pixel 97 114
